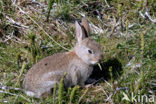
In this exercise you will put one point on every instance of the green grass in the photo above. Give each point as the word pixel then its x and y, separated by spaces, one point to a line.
pixel 128 66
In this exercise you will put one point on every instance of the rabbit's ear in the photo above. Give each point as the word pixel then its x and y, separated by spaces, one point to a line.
pixel 80 35
pixel 85 25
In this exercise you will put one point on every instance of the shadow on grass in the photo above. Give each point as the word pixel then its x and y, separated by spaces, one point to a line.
pixel 105 74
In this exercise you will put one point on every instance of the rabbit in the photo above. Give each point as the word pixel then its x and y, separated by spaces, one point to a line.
pixel 77 63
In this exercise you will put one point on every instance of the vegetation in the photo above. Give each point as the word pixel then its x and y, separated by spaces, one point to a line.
pixel 126 29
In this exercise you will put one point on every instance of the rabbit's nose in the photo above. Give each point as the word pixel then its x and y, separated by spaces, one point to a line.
pixel 101 57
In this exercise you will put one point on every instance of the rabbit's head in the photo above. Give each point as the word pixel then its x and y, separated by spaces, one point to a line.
pixel 86 48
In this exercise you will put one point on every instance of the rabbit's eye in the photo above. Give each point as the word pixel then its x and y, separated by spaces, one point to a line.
pixel 89 51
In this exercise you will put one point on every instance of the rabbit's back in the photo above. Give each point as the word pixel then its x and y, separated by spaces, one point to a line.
pixel 55 64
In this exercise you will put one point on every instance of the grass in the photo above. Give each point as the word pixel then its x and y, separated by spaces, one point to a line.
pixel 127 40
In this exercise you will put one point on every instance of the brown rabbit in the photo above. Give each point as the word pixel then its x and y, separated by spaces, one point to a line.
pixel 77 63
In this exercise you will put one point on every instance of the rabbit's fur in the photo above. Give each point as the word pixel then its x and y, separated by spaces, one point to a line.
pixel 77 63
